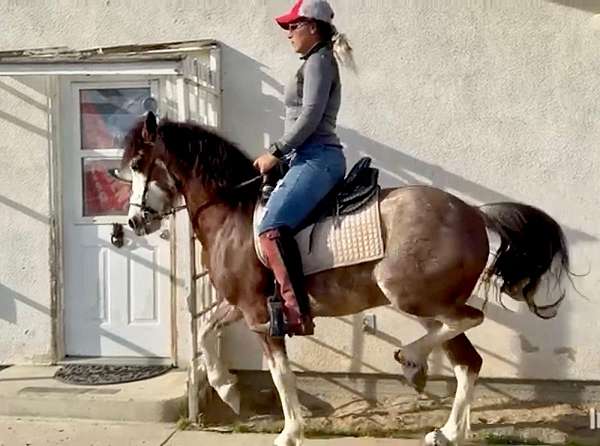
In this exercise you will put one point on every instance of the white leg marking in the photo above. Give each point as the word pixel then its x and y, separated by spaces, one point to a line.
pixel 285 381
pixel 217 372
pixel 457 427
pixel 413 357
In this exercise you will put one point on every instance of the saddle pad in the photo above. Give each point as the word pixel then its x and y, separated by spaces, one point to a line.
pixel 336 241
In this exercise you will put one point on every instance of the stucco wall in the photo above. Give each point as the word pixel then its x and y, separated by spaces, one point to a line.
pixel 490 102
pixel 25 323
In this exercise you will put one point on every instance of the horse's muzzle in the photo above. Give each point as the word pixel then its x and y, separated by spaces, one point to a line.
pixel 137 224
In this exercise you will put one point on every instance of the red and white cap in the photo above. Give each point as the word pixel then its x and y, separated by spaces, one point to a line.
pixel 309 9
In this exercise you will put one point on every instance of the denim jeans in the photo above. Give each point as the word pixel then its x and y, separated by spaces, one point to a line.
pixel 314 171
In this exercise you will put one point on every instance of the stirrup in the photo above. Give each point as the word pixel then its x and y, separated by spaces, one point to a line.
pixel 277 327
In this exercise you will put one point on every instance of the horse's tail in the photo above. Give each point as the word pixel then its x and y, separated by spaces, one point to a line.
pixel 532 245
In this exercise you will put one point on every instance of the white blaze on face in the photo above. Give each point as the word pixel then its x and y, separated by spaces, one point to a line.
pixel 152 197
pixel 138 184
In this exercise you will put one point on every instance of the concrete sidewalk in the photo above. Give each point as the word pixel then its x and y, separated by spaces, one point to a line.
pixel 64 432
pixel 32 391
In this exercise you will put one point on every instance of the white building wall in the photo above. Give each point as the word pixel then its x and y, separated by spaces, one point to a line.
pixel 25 322
pixel 491 101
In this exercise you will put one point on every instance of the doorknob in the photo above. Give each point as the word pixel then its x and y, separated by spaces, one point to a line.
pixel 165 235
pixel 116 238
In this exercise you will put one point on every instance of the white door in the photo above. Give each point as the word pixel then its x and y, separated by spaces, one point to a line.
pixel 117 300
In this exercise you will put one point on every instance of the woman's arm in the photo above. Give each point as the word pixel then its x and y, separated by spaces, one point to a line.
pixel 318 78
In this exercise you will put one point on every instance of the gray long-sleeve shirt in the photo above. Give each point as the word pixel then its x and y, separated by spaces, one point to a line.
pixel 312 102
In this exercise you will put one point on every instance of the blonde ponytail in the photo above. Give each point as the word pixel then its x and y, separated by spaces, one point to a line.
pixel 343 51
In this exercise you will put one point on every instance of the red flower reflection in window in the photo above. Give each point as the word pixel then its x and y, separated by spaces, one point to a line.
pixel 102 194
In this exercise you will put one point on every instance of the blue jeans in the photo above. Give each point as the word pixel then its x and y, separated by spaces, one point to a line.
pixel 314 171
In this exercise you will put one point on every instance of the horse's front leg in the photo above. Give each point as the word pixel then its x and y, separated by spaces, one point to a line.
pixel 285 382
pixel 217 373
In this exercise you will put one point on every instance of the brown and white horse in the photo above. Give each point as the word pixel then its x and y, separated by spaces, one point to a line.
pixel 436 249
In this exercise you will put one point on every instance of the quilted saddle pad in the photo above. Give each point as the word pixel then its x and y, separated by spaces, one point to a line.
pixel 334 242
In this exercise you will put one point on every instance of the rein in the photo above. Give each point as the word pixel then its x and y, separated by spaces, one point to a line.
pixel 212 201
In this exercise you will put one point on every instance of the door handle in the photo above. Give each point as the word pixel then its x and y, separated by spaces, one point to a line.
pixel 117 236
pixel 165 235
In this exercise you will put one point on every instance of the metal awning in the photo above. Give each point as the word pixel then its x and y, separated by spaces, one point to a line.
pixel 154 59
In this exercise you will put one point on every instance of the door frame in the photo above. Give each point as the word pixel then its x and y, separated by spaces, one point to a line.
pixel 194 64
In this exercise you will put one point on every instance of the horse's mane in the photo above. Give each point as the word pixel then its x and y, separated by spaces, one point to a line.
pixel 219 163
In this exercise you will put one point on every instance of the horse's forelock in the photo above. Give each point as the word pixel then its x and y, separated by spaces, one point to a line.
pixel 133 143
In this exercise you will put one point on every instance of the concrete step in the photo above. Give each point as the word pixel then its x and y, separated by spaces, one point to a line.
pixel 30 391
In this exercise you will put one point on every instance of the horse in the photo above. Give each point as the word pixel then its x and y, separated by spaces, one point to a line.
pixel 436 251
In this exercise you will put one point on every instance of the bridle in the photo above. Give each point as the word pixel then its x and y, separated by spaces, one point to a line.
pixel 149 213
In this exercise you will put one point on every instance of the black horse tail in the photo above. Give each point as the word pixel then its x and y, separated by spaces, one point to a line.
pixel 532 245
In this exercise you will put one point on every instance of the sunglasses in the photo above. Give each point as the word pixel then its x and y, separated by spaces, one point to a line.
pixel 294 26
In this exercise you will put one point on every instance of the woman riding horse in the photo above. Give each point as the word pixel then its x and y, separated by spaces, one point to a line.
pixel 311 148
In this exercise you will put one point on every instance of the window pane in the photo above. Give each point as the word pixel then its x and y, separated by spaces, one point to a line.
pixel 102 194
pixel 107 114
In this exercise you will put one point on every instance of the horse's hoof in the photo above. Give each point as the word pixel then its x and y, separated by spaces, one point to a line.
pixel 414 371
pixel 287 440
pixel 436 438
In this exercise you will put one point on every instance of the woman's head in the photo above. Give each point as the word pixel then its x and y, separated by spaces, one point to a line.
pixel 303 35
pixel 310 22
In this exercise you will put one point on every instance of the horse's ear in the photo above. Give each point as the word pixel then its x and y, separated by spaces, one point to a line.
pixel 150 127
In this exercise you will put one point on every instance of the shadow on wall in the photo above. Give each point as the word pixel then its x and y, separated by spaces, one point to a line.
pixel 8 304
pixel 256 120
pixel 584 5
pixel 24 209
pixel 28 84
pixel 399 168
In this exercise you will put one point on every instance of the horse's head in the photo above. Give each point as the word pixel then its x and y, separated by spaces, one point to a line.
pixel 153 189
pixel 175 157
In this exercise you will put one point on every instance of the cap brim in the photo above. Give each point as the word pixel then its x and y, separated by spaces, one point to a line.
pixel 286 20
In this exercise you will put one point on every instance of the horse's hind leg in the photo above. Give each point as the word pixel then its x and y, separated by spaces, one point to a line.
pixel 285 382
pixel 441 329
pixel 467 364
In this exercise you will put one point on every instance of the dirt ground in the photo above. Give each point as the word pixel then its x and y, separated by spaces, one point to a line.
pixel 493 420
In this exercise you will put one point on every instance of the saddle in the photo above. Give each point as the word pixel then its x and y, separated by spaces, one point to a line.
pixel 344 229
pixel 351 194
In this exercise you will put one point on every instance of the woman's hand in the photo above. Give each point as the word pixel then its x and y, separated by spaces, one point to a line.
pixel 265 162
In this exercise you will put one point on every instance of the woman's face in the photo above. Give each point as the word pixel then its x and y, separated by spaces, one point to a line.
pixel 303 36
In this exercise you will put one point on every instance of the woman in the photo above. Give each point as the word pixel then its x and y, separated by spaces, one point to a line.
pixel 311 148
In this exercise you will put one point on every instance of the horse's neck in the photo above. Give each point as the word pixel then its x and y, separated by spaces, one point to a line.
pixel 216 226
pixel 227 249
